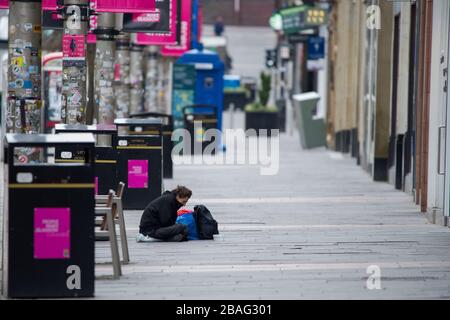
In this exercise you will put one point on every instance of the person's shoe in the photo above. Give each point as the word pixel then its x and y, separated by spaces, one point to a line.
pixel 177 238
pixel 142 238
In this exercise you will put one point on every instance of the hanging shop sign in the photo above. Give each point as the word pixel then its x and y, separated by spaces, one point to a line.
pixel 316 48
pixel 293 20
pixel 184 43
pixel 160 27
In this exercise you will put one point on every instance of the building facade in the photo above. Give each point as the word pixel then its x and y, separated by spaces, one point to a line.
pixel 388 95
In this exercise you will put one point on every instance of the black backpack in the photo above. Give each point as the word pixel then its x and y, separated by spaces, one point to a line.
pixel 206 225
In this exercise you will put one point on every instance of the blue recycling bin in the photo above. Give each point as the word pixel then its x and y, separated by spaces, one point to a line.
pixel 198 79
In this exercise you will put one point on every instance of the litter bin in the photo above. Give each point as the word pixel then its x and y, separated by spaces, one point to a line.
pixel 197 120
pixel 310 126
pixel 105 153
pixel 48 219
pixel 139 163
pixel 167 129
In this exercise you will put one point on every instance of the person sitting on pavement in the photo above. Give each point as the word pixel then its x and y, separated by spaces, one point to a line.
pixel 158 220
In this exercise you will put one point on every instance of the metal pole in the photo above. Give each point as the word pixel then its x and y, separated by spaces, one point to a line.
pixel 104 68
pixel 24 68
pixel 194 24
pixel 76 16
pixel 136 79
pixel 122 75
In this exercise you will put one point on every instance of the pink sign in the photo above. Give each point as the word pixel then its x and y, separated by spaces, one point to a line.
pixel 73 46
pixel 51 233
pixel 91 38
pixel 121 6
pixel 49 5
pixel 159 38
pixel 185 38
pixel 137 174
pixel 46 4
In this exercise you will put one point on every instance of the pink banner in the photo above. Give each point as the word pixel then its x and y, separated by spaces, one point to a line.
pixel 51 233
pixel 137 174
pixel 49 5
pixel 185 38
pixel 46 4
pixel 121 6
pixel 91 38
pixel 160 38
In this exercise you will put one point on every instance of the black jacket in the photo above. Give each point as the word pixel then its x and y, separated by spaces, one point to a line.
pixel 160 213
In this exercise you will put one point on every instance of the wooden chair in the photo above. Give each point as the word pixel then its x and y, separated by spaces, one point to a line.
pixel 109 212
pixel 119 217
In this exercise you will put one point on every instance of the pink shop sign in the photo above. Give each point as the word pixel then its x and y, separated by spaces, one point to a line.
pixel 121 6
pixel 163 36
pixel 185 37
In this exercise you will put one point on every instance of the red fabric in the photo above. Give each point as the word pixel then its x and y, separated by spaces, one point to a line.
pixel 182 211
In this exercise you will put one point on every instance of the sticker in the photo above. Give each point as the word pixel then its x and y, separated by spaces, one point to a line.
pixel 73 46
pixel 33 69
pixel 51 233
pixel 28 26
pixel 66 155
pixel 19 61
pixel 24 177
pixel 15 69
pixel 123 143
pixel 137 174
pixel 19 83
pixel 27 84
pixel 22 158
pixel 37 28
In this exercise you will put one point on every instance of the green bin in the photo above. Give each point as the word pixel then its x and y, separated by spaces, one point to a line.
pixel 311 127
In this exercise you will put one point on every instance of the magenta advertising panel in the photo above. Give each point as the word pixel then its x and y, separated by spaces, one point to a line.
pixel 49 5
pixel 184 44
pixel 51 233
pixel 163 24
pixel 137 174
pixel 4 4
pixel 121 6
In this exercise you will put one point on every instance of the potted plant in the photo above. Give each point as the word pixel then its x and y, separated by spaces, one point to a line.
pixel 261 115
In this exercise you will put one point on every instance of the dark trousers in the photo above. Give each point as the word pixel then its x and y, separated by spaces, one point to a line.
pixel 177 232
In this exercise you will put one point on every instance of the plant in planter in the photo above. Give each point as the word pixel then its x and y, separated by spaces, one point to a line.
pixel 260 115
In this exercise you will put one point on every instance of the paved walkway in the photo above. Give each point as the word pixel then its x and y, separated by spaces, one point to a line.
pixel 309 232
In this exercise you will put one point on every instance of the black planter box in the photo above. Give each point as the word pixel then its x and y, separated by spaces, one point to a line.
pixel 238 98
pixel 261 120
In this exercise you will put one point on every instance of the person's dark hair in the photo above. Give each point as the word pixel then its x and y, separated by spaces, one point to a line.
pixel 182 192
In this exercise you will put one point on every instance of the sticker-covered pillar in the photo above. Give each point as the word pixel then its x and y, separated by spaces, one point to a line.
pixel 24 68
pixel 76 16
pixel 151 79
pixel 104 68
pixel 122 75
pixel 136 79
